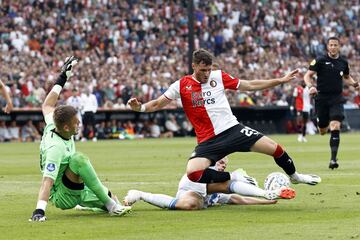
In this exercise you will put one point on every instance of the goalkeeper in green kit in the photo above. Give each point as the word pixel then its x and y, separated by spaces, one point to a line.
pixel 68 176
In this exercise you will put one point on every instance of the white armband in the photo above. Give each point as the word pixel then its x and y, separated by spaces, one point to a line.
pixel 142 108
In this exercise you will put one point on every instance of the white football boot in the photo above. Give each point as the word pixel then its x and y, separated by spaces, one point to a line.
pixel 241 175
pixel 310 179
pixel 281 193
pixel 132 197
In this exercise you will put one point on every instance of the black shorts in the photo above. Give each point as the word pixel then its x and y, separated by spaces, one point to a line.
pixel 329 108
pixel 238 138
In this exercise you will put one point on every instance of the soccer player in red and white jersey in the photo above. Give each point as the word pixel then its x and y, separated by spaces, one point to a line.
pixel 302 106
pixel 218 132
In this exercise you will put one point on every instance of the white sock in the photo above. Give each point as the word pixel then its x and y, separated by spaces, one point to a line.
pixel 246 189
pixel 295 176
pixel 159 200
pixel 109 205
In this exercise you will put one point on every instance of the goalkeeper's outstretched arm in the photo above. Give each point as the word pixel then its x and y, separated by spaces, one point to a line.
pixel 51 99
pixel 5 94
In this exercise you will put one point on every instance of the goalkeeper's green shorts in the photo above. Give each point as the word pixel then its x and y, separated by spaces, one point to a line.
pixel 66 198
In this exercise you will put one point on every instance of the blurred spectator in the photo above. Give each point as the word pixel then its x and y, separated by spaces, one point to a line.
pixel 14 131
pixel 75 101
pixel 119 104
pixel 89 108
pixel 187 128
pixel 4 133
pixel 29 133
pixel 100 130
pixel 172 125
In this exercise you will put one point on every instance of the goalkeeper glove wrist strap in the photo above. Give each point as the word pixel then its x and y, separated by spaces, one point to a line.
pixel 39 211
pixel 61 80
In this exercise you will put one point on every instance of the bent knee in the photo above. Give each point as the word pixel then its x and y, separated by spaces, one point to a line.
pixel 190 205
pixel 335 125
pixel 78 160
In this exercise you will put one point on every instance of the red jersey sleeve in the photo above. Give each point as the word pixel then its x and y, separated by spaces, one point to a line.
pixel 229 81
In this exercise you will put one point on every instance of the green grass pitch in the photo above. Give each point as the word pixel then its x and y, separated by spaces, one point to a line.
pixel 330 210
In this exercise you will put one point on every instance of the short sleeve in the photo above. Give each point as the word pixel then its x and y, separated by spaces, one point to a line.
pixel 173 91
pixel 229 81
pixel 52 162
pixel 314 65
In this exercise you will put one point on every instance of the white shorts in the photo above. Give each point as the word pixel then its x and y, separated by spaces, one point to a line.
pixel 186 185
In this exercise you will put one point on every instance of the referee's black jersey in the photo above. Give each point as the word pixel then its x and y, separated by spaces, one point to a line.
pixel 329 73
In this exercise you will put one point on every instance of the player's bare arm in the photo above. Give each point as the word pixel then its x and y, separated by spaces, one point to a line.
pixel 310 83
pixel 152 106
pixel 51 99
pixel 253 85
pixel 239 200
pixel 45 188
pixel 5 94
pixel 351 82
pixel 43 198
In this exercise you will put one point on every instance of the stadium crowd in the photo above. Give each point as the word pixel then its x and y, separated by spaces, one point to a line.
pixel 136 48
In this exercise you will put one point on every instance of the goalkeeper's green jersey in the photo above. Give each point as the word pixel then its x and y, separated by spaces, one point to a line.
pixel 55 152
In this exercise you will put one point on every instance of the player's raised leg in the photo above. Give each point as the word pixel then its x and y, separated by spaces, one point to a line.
pixel 268 146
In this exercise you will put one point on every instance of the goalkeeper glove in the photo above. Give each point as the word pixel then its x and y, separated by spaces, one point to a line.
pixel 66 70
pixel 38 216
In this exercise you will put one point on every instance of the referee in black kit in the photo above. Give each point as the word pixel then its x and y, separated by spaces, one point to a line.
pixel 331 70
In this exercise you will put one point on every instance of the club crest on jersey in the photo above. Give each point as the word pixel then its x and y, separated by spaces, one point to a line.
pixel 213 83
pixel 51 167
pixel 341 73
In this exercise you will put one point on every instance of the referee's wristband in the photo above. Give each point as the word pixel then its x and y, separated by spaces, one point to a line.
pixel 356 85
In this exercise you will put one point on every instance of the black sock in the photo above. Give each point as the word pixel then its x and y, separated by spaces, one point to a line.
pixel 213 176
pixel 304 130
pixel 334 143
pixel 286 163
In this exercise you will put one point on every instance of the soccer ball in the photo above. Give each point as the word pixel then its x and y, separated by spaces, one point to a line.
pixel 276 180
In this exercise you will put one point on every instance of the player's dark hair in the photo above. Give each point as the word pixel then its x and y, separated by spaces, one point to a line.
pixel 63 115
pixel 333 38
pixel 202 56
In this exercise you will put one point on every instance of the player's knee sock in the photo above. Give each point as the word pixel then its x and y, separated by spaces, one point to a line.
pixel 159 200
pixel 209 175
pixel 304 130
pixel 334 143
pixel 81 166
pixel 246 189
pixel 283 160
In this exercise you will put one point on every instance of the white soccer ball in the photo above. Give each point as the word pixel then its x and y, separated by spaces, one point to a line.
pixel 276 180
